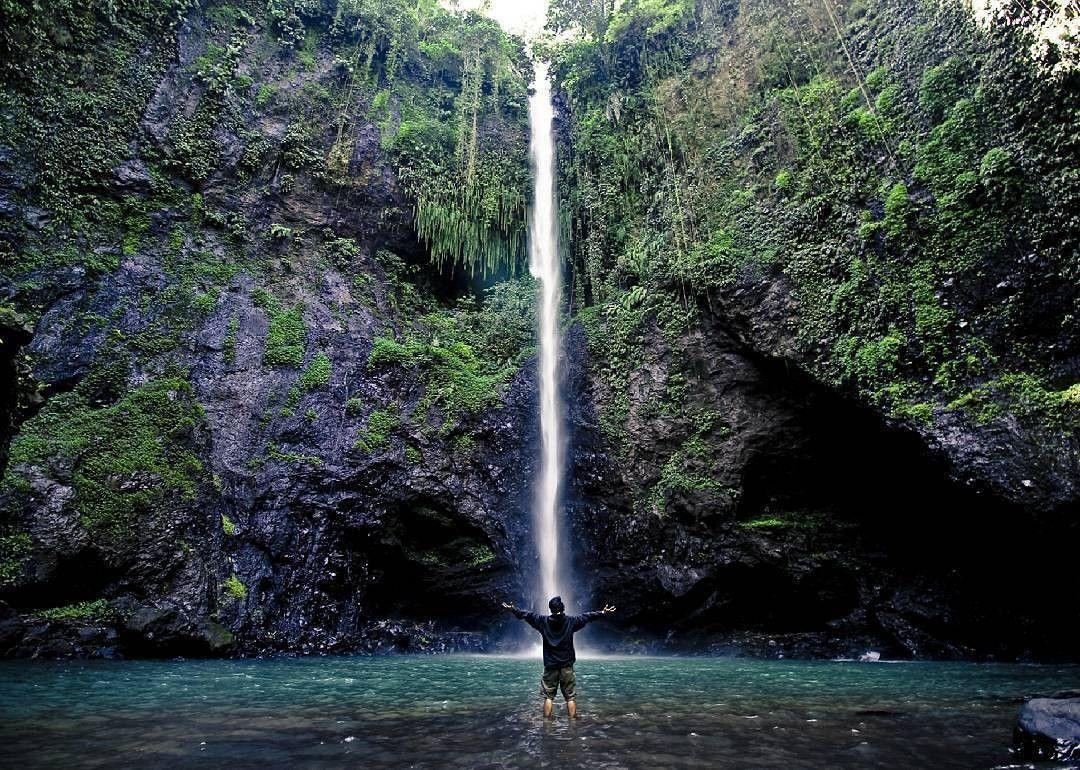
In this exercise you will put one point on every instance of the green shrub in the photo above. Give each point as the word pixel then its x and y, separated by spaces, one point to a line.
pixel 265 94
pixel 204 303
pixel 280 232
pixel 998 173
pixel 897 210
pixel 97 610
pixel 287 337
pixel 14 553
pixel 229 343
pixel 478 556
pixel 234 589
pixel 942 86
pixel 766 523
pixel 317 373
pixel 381 425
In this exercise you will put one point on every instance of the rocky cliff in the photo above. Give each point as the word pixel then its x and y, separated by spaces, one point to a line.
pixel 829 258
pixel 269 341
pixel 257 411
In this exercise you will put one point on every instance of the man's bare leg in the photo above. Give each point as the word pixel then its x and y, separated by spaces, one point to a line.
pixel 548 705
pixel 571 709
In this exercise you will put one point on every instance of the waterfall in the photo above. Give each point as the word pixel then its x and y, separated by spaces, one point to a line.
pixel 544 265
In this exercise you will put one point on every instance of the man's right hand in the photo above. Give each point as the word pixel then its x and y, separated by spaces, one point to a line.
pixel 508 606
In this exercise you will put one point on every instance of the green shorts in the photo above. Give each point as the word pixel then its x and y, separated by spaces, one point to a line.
pixel 554 678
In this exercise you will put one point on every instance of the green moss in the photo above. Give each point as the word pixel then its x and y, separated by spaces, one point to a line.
pixel 922 413
pixel 125 461
pixel 317 373
pixel 381 425
pixel 354 406
pixel 229 344
pixel 413 455
pixel 97 610
pixel 897 210
pixel 780 522
pixel 871 363
pixel 274 452
pixel 765 523
pixel 287 335
pixel 234 589
pixel 688 470
pixel 227 525
pixel 14 553
pixel 481 555
pixel 1025 395
pixel 460 356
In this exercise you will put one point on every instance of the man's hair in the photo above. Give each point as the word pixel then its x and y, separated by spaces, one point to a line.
pixel 556 605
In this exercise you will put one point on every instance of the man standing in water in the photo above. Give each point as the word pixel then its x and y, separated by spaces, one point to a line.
pixel 558 630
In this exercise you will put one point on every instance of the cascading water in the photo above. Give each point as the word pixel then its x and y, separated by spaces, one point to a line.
pixel 545 266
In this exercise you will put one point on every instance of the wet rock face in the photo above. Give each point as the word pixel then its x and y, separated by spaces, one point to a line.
pixel 293 539
pixel 208 461
pixel 1048 730
pixel 1029 465
pixel 782 519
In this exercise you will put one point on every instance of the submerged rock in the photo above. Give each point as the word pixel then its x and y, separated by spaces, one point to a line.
pixel 1048 729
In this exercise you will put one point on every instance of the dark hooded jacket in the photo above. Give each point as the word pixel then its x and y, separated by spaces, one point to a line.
pixel 558 633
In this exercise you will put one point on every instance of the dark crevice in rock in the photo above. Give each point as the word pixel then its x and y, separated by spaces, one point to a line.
pixel 424 566
pixel 15 397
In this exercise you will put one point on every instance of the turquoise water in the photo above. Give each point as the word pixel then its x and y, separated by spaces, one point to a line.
pixel 478 711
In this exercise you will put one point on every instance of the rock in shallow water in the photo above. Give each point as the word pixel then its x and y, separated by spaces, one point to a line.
pixel 1048 729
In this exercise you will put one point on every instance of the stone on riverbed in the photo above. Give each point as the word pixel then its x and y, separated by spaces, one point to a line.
pixel 1048 729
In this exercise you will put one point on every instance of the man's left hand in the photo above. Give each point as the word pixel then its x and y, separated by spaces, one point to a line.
pixel 608 609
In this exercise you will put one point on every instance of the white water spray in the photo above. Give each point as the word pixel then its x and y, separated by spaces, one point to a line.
pixel 544 265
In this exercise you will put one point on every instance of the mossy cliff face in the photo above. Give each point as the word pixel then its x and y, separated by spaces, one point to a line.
pixel 828 256
pixel 261 278
pixel 264 308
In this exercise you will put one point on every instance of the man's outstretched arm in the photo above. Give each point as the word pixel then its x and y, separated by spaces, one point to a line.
pixel 580 621
pixel 529 617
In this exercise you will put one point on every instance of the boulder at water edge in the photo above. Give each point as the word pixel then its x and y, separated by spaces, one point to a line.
pixel 1048 729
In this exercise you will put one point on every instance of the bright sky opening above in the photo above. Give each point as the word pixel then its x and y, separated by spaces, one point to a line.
pixel 521 17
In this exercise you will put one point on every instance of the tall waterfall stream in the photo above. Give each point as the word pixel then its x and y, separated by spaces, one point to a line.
pixel 544 265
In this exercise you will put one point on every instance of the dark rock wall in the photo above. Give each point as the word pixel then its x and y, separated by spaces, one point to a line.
pixel 831 370
pixel 209 457
pixel 810 525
